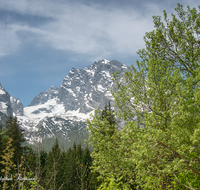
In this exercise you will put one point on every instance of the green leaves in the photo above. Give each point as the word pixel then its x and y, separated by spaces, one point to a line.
pixel 109 149
pixel 162 100
pixel 158 101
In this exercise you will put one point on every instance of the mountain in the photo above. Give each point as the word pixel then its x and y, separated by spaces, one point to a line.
pixel 62 112
pixel 9 106
pixel 84 89
pixel 5 104
pixel 17 106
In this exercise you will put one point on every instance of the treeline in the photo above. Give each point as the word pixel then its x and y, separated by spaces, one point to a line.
pixel 24 168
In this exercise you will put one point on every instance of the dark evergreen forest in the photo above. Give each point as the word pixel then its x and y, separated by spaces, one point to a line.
pixel 22 167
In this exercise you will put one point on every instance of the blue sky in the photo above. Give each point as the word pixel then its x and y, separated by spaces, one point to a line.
pixel 41 40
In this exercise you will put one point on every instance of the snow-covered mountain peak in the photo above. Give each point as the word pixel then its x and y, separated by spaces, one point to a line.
pixel 2 90
pixel 82 89
pixel 17 106
pixel 9 105
pixel 5 104
pixel 56 110
pixel 105 61
pixel 43 97
pixel 85 88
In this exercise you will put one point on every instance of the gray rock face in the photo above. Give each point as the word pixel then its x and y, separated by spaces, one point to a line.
pixel 17 106
pixel 5 104
pixel 89 88
pixel 44 96
pixel 84 89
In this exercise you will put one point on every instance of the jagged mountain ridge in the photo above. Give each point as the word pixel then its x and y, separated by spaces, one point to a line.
pixel 64 110
pixel 17 106
pixel 83 88
pixel 10 105
pixel 5 104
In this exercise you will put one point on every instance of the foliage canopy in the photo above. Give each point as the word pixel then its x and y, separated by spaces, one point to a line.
pixel 159 102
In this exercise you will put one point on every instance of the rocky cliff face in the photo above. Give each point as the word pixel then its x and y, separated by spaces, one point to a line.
pixel 17 106
pixel 89 88
pixel 9 105
pixel 43 97
pixel 5 104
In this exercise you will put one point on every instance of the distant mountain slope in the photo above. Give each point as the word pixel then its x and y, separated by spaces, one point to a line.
pixel 84 89
pixel 61 112
pixel 17 106
pixel 5 104
pixel 9 105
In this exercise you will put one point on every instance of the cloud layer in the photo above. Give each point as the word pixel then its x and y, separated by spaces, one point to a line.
pixel 90 30
pixel 94 29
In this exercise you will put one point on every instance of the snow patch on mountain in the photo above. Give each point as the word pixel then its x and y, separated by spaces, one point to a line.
pixel 105 61
pixel 2 91
pixel 17 106
pixel 3 107
pixel 49 108
pixel 5 104
pixel 100 88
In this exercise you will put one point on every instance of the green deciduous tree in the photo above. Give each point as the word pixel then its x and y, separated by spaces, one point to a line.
pixel 8 165
pixel 109 157
pixel 159 102
pixel 2 143
pixel 159 145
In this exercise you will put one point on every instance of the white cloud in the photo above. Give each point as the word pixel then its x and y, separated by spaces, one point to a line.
pixel 9 41
pixel 93 31
pixel 79 28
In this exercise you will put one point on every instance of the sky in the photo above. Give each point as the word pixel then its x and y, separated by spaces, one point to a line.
pixel 42 40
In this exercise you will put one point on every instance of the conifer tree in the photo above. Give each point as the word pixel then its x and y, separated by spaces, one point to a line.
pixel 104 136
pixel 108 114
pixel 35 162
pixel 2 147
pixel 16 133
pixel 53 172
pixel 86 158
pixel 68 166
pixel 30 159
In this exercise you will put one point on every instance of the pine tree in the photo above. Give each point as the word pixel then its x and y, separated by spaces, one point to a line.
pixel 2 147
pixel 79 153
pixel 107 114
pixel 53 174
pixel 104 136
pixel 30 158
pixel 69 165
pixel 16 133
